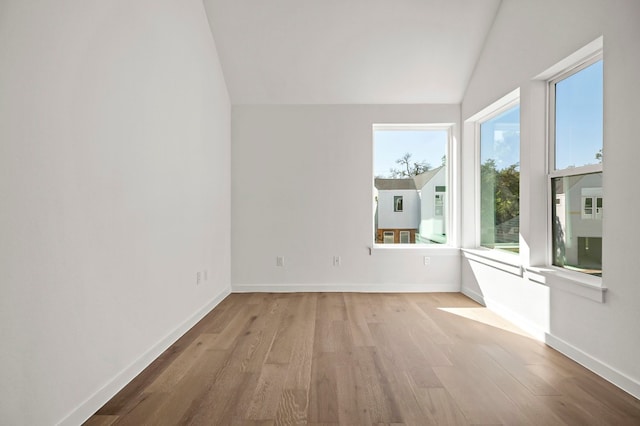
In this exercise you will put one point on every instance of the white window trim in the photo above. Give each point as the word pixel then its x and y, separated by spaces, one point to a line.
pixel 398 203
pixel 450 208
pixel 576 283
pixel 579 64
pixel 505 103
pixel 571 282
pixel 498 259
pixel 584 213
pixel 562 75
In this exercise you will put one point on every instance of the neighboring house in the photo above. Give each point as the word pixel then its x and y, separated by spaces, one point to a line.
pixel 433 205
pixel 411 210
pixel 398 211
pixel 579 211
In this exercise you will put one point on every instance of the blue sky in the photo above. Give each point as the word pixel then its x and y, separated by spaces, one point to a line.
pixel 578 131
pixel 579 118
pixel 500 139
pixel 425 145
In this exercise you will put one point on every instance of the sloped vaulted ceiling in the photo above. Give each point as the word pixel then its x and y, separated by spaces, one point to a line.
pixel 349 51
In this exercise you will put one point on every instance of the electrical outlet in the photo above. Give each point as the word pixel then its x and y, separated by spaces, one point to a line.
pixel 198 278
pixel 280 261
pixel 337 261
pixel 426 260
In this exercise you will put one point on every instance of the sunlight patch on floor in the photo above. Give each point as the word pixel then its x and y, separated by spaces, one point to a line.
pixel 485 316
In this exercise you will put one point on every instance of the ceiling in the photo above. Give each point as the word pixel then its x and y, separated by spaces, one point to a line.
pixel 349 51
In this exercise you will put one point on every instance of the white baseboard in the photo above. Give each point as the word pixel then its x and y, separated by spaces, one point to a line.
pixel 345 288
pixel 103 395
pixel 477 297
pixel 603 370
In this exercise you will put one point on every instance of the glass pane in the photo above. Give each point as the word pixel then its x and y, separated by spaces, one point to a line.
pixel 500 181
pixel 577 238
pixel 397 203
pixel 578 131
pixel 410 167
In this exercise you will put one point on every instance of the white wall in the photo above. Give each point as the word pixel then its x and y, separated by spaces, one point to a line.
pixel 302 180
pixel 115 183
pixel 527 39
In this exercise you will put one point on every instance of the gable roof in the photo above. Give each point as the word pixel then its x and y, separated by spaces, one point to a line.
pixel 395 184
pixel 422 179
pixel 415 182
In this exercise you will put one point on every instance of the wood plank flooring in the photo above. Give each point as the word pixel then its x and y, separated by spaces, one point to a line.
pixel 363 359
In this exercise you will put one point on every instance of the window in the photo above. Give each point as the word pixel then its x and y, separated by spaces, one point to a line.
pixel 576 167
pixel 389 237
pixel 410 182
pixel 397 203
pixel 439 204
pixel 500 179
pixel 591 203
pixel 587 209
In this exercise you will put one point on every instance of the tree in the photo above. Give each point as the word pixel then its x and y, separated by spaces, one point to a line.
pixel 408 168
pixel 504 199
pixel 599 156
pixel 507 194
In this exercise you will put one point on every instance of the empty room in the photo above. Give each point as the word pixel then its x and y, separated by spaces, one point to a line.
pixel 336 212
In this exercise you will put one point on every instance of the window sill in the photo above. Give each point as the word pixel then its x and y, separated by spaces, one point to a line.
pixel 506 262
pixel 441 249
pixel 577 283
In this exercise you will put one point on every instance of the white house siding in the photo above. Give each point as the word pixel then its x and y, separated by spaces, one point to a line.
pixel 432 227
pixel 576 226
pixel 409 218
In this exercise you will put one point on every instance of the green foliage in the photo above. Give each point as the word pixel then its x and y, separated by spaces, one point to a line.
pixel 504 200
pixel 599 156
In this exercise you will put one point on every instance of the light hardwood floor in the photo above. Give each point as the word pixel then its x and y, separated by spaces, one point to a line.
pixel 356 359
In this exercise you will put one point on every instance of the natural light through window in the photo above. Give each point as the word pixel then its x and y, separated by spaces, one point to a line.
pixel 500 181
pixel 410 185
pixel 576 178
pixel 578 118
pixel 487 317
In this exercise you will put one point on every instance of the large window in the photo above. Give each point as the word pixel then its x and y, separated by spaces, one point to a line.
pixel 410 184
pixel 500 179
pixel 576 167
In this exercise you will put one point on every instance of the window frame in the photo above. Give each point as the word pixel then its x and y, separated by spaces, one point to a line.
pixel 506 103
pixel 587 204
pixel 551 117
pixel 449 205
pixel 553 173
pixel 438 204
pixel 386 234
pixel 398 204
